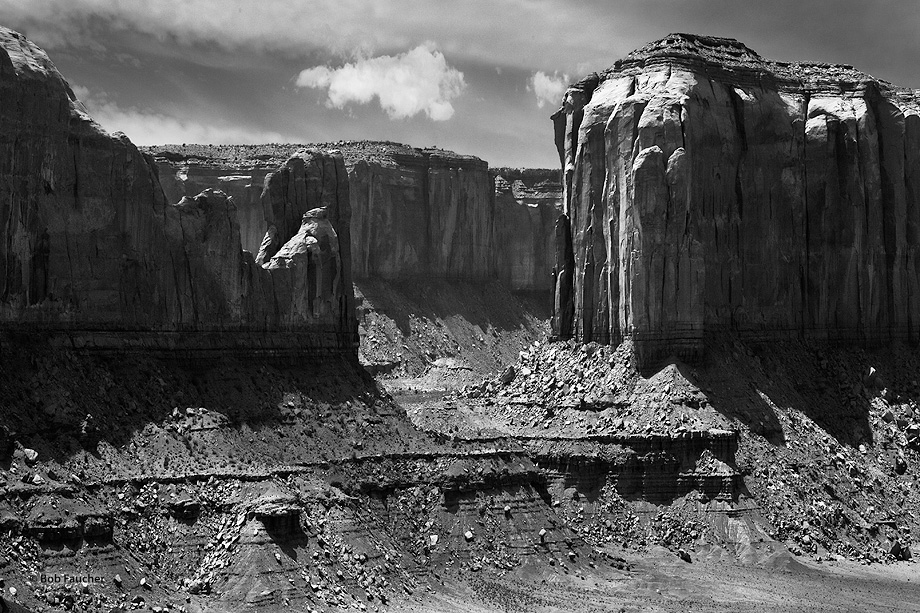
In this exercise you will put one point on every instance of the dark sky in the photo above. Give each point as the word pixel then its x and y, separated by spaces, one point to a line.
pixel 477 76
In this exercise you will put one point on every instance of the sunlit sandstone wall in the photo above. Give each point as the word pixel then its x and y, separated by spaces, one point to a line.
pixel 708 189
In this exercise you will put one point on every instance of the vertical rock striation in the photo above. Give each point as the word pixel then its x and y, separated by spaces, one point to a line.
pixel 242 180
pixel 527 204
pixel 92 251
pixel 420 213
pixel 708 189
pixel 307 209
pixel 417 213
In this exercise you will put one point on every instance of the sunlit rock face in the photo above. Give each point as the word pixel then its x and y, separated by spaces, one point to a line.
pixel 435 214
pixel 708 189
pixel 94 251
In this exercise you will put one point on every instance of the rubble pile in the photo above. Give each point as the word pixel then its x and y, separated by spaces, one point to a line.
pixel 826 439
pixel 597 387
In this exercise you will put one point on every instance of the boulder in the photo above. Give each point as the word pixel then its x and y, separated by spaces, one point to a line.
pixel 185 507
pixel 30 456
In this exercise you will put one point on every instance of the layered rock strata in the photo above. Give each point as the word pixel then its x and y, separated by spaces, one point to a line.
pixel 417 213
pixel 93 251
pixel 655 468
pixel 709 189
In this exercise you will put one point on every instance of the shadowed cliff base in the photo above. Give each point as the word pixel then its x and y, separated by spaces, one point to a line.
pixel 437 334
pixel 67 404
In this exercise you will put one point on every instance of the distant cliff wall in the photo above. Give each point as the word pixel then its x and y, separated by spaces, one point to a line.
pixel 421 213
pixel 416 213
pixel 527 204
pixel 93 252
pixel 190 176
pixel 708 189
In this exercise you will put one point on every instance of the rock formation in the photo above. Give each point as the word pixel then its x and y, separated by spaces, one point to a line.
pixel 243 181
pixel 93 251
pixel 709 189
pixel 527 204
pixel 421 213
pixel 416 213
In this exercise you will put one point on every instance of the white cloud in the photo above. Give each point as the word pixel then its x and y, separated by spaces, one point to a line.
pixel 407 84
pixel 548 88
pixel 145 127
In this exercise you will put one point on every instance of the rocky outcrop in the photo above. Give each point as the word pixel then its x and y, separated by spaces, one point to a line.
pixel 644 467
pixel 709 189
pixel 417 213
pixel 93 251
pixel 243 181
pixel 310 248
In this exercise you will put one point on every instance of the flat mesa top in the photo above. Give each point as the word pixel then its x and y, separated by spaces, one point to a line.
pixel 732 60
pixel 384 153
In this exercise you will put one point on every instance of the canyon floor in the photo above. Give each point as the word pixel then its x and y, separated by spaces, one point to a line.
pixel 482 468
pixel 658 582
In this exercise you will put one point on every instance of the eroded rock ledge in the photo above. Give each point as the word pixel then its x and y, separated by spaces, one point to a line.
pixel 94 254
pixel 709 189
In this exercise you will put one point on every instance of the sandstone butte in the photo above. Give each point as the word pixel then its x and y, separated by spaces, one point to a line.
pixel 708 189
pixel 417 214
pixel 93 252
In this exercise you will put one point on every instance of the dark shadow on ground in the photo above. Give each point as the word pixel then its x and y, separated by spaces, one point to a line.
pixel 62 403
pixel 831 385
pixel 485 304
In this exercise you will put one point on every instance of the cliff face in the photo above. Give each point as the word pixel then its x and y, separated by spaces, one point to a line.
pixel 527 205
pixel 417 213
pixel 92 249
pixel 181 176
pixel 420 213
pixel 706 188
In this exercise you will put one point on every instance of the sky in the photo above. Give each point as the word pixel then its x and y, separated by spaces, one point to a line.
pixel 480 77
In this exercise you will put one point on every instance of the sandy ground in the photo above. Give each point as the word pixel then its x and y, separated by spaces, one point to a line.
pixel 659 581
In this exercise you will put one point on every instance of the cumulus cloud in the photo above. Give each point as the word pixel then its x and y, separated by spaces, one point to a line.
pixel 145 127
pixel 406 84
pixel 548 88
